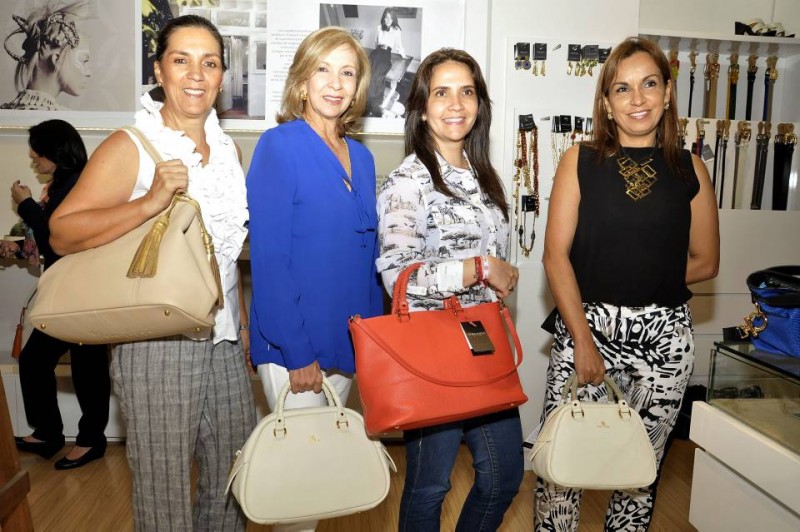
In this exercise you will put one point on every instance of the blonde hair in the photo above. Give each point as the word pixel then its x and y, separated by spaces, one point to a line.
pixel 311 51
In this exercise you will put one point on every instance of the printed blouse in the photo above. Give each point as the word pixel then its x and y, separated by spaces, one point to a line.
pixel 416 223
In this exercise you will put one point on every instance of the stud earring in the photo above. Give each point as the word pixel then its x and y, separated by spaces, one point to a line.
pixel 610 116
pixel 666 106
pixel 159 83
pixel 303 96
pixel 220 90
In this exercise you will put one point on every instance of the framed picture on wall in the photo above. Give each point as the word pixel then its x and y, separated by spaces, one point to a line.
pixel 242 24
pixel 69 59
pixel 395 37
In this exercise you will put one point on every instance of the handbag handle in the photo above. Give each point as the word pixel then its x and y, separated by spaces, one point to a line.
pixel 145 260
pixel 333 399
pixel 777 277
pixel 614 393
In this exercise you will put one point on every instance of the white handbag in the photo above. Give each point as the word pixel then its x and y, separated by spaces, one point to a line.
pixel 594 445
pixel 305 464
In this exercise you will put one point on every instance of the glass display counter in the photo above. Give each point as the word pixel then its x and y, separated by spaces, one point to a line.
pixel 759 389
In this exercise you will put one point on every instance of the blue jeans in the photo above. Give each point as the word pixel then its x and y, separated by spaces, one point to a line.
pixel 495 441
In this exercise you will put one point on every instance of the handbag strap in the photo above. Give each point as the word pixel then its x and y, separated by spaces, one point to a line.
pixel 570 390
pixel 145 260
pixel 330 394
pixel 777 277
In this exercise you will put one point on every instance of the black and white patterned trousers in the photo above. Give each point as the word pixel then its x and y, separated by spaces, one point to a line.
pixel 649 352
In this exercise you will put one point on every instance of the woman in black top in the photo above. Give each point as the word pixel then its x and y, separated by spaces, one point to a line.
pixel 632 221
pixel 57 149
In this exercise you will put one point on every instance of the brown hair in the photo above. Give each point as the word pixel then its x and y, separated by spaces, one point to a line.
pixel 311 51
pixel 606 141
pixel 476 144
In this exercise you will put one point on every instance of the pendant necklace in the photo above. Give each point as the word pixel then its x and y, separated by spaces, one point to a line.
pixel 639 176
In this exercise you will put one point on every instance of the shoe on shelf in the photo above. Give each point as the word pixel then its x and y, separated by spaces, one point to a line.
pixel 752 27
pixel 98 451
pixel 45 449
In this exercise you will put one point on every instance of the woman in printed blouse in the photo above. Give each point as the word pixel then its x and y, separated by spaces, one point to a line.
pixel 445 207
pixel 311 191
pixel 388 40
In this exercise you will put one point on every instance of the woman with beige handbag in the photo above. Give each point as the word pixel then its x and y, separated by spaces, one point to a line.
pixel 182 399
pixel 632 222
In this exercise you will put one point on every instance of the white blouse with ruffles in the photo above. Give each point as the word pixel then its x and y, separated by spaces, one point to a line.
pixel 218 187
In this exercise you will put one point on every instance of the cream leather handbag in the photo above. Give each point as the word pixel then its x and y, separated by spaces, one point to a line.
pixel 157 280
pixel 594 445
pixel 305 464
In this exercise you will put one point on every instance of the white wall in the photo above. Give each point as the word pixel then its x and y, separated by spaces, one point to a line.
pixel 512 92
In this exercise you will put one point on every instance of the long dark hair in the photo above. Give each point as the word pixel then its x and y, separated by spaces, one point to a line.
pixel 395 22
pixel 59 142
pixel 606 140
pixel 476 144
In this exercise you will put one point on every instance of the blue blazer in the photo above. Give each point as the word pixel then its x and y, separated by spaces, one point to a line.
pixel 313 246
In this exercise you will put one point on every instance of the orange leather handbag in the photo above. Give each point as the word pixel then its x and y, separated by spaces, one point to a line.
pixel 417 369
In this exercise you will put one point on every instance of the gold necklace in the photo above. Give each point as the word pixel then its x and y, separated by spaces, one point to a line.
pixel 639 176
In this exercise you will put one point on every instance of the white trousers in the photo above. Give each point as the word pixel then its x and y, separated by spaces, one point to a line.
pixel 273 377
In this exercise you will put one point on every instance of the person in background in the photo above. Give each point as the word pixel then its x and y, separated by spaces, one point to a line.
pixel 56 149
pixel 52 57
pixel 183 400
pixel 632 222
pixel 445 207
pixel 311 191
pixel 388 39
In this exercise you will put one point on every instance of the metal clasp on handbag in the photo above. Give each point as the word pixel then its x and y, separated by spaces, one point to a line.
pixel 754 323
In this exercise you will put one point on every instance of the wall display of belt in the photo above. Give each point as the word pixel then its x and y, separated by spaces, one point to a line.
pixel 785 141
pixel 760 170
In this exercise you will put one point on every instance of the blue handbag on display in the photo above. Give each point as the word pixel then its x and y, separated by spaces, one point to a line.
pixel 774 325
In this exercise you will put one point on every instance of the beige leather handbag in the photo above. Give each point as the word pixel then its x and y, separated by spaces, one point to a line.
pixel 305 464
pixel 594 445
pixel 158 280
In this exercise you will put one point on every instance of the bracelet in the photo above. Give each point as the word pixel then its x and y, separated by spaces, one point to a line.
pixel 478 270
pixel 485 261
pixel 244 327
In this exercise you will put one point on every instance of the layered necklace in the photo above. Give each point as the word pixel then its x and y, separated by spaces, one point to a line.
pixel 639 176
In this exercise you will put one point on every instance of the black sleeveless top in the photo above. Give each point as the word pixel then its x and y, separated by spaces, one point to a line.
pixel 633 253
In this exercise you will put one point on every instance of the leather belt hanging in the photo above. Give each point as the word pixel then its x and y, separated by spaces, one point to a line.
pixel 717 139
pixel 683 123
pixel 711 74
pixel 701 135
pixel 733 80
pixel 726 129
pixel 742 139
pixel 785 142
pixel 693 61
pixel 751 79
pixel 762 150
pixel 770 76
